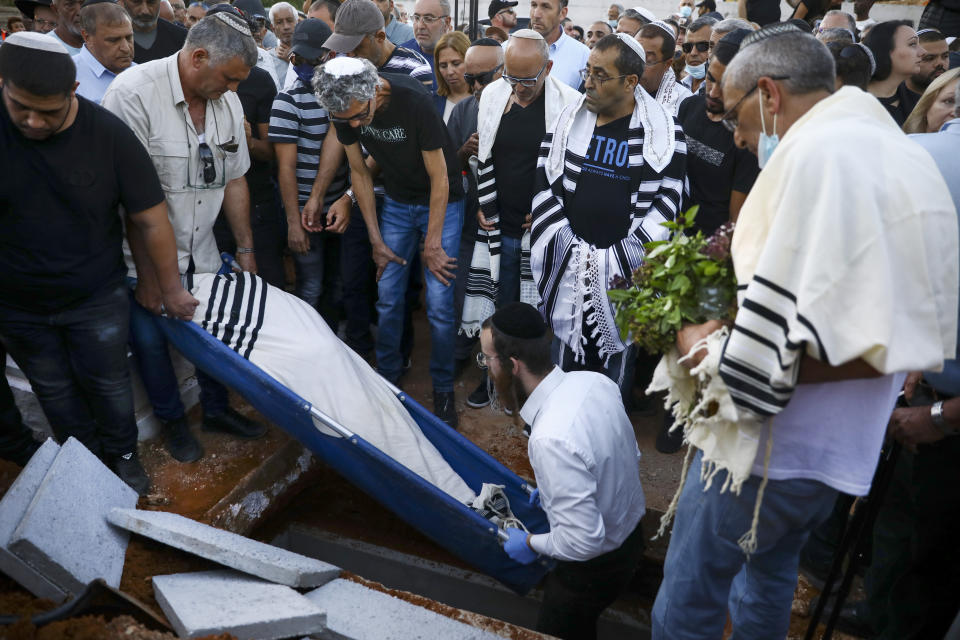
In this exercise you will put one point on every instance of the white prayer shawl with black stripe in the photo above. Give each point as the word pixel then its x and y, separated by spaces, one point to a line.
pixel 846 248
pixel 483 278
pixel 671 93
pixel 291 343
pixel 573 275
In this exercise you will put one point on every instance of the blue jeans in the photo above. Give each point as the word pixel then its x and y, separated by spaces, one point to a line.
pixel 156 370
pixel 76 362
pixel 402 226
pixel 318 276
pixel 706 573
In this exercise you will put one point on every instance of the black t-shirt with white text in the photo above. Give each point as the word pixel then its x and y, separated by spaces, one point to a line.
pixel 600 210
pixel 715 165
pixel 62 235
pixel 398 134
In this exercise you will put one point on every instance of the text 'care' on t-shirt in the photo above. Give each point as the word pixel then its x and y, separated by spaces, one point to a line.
pixel 399 134
pixel 600 209
pixel 61 238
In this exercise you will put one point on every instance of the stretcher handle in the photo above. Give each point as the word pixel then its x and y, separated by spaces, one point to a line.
pixel 321 417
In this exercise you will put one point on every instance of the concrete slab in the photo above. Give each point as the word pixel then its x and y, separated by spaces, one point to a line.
pixel 64 533
pixel 229 549
pixel 355 612
pixel 12 507
pixel 213 602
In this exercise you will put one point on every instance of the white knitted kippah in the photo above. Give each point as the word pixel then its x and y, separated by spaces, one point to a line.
pixel 343 66
pixel 631 42
pixel 34 40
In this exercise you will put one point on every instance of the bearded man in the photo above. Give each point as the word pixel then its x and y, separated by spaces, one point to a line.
pixel 584 455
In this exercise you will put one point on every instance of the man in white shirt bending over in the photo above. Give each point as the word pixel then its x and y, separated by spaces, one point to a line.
pixel 584 455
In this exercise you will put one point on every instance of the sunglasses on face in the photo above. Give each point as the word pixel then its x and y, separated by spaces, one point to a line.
pixel 484 78
pixel 357 116
pixel 702 47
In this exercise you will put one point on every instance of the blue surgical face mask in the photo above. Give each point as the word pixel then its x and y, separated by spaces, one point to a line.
pixel 698 72
pixel 686 11
pixel 305 73
pixel 766 144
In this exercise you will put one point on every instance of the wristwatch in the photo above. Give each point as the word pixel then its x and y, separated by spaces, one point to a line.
pixel 353 197
pixel 936 416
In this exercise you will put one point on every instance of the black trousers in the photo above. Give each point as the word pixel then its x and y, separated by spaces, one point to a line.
pixel 268 224
pixel 576 593
pixel 16 440
pixel 76 361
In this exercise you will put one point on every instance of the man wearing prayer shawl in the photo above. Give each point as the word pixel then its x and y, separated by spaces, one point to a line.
pixel 841 292
pixel 612 168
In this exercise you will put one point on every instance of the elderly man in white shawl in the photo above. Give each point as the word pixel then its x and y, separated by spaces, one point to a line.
pixel 659 43
pixel 841 292
pixel 612 168
pixel 515 112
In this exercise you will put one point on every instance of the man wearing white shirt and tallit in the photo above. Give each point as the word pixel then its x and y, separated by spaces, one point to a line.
pixel 584 455
pixel 514 114
pixel 659 43
pixel 841 292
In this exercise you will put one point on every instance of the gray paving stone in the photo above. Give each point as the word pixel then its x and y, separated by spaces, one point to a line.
pixel 12 507
pixel 212 602
pixel 355 612
pixel 229 549
pixel 64 533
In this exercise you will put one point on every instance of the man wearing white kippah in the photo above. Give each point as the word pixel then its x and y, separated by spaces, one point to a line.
pixel 612 168
pixel 659 43
pixel 184 109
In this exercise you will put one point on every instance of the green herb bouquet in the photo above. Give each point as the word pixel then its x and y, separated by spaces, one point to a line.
pixel 687 279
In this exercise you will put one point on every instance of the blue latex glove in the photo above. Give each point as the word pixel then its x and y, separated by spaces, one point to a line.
pixel 516 546
pixel 535 497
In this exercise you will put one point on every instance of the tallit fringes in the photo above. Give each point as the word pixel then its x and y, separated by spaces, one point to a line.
pixel 671 511
pixel 748 541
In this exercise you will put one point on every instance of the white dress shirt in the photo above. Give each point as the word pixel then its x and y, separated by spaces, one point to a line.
pixel 94 78
pixel 569 57
pixel 585 458
pixel 149 98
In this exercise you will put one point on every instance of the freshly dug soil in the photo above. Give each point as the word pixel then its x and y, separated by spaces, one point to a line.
pixel 92 628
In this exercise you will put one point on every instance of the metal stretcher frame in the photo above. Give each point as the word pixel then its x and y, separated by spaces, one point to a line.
pixel 451 524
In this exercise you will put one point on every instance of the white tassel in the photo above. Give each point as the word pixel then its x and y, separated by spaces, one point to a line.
pixel 748 541
pixel 672 508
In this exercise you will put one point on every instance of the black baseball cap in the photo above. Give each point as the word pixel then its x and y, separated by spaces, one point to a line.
pixel 309 38
pixel 251 8
pixel 711 5
pixel 26 7
pixel 499 5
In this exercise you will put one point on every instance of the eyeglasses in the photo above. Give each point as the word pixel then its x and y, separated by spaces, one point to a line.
pixel 483 359
pixel 44 24
pixel 598 80
pixel 525 82
pixel 357 116
pixel 484 78
pixel 702 46
pixel 427 19
pixel 731 122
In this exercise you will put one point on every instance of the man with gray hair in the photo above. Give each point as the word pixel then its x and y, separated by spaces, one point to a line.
pixel 836 19
pixel 724 27
pixel 630 22
pixel 696 50
pixel 393 117
pixel 153 37
pixel 68 25
pixel 812 364
pixel 515 112
pixel 841 35
pixel 431 19
pixel 107 49
pixel 184 109
pixel 283 17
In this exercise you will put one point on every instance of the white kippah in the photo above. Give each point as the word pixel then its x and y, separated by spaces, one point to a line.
pixel 665 27
pixel 526 34
pixel 38 41
pixel 344 66
pixel 234 22
pixel 631 42
pixel 646 13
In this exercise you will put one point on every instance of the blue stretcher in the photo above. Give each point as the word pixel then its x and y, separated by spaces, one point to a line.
pixel 449 523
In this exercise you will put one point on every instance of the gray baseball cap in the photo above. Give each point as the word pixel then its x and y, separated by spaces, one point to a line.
pixel 355 19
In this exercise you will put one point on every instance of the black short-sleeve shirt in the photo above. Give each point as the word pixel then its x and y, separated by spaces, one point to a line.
pixel 170 39
pixel 515 149
pixel 715 165
pixel 256 95
pixel 398 134
pixel 61 238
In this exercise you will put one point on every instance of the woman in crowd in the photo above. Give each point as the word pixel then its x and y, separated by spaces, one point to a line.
pixel 935 106
pixel 897 52
pixel 448 62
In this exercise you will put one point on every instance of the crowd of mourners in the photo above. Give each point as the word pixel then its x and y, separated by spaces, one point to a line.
pixel 372 161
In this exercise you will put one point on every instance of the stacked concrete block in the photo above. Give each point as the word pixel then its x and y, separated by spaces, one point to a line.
pixel 13 506
pixel 229 549
pixel 355 612
pixel 214 602
pixel 63 533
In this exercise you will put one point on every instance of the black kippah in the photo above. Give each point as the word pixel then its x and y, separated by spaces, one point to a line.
pixel 729 44
pixel 485 42
pixel 519 320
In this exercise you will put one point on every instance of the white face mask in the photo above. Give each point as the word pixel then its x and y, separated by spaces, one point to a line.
pixel 767 143
pixel 686 11
pixel 698 72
